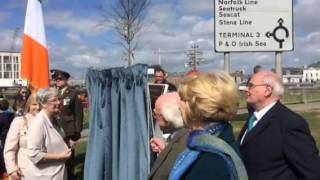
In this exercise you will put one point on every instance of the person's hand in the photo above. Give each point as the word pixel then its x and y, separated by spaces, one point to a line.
pixel 157 144
pixel 72 144
pixel 65 155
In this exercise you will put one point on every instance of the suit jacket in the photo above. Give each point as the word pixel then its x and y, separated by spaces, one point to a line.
pixel 15 149
pixel 71 113
pixel 6 118
pixel 45 136
pixel 280 147
pixel 162 166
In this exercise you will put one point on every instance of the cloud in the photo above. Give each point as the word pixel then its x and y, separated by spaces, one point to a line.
pixel 305 18
pixel 83 60
pixel 88 25
pixel 189 20
pixel 73 37
pixel 194 7
pixel 162 16
pixel 173 30
pixel 6 40
pixel 204 27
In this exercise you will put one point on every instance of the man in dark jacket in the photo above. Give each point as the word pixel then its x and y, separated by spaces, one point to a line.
pixel 276 143
pixel 71 113
pixel 160 78
pixel 6 117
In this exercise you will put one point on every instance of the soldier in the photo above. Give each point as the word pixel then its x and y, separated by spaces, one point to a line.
pixel 71 113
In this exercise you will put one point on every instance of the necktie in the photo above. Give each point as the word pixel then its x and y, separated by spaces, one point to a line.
pixel 59 92
pixel 252 119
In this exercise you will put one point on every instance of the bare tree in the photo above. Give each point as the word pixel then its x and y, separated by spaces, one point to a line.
pixel 126 17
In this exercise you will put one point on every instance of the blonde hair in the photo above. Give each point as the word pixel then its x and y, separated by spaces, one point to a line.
pixel 31 98
pixel 209 97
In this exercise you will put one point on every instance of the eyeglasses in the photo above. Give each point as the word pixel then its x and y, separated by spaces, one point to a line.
pixel 251 85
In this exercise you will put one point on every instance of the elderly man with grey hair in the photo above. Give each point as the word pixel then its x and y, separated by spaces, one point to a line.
pixel 276 142
pixel 169 118
pixel 47 150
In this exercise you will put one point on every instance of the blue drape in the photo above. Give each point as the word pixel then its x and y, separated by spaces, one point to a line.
pixel 118 144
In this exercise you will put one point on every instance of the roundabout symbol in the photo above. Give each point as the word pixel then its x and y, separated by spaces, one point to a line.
pixel 280 40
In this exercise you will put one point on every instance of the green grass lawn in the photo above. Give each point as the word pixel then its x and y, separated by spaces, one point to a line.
pixel 80 153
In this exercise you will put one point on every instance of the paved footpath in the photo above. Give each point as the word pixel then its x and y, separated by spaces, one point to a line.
pixel 295 107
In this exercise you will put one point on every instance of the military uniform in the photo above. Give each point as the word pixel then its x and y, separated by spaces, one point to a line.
pixel 71 113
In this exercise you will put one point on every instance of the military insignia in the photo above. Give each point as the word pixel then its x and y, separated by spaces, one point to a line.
pixel 66 101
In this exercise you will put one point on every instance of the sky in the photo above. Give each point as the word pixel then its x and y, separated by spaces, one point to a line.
pixel 77 40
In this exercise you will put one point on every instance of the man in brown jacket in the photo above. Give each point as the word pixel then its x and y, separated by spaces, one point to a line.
pixel 170 120
pixel 71 113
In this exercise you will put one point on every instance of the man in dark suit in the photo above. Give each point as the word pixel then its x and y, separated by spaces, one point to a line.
pixel 170 120
pixel 71 113
pixel 276 142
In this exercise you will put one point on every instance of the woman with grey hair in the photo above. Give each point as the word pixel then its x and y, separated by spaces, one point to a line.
pixel 47 150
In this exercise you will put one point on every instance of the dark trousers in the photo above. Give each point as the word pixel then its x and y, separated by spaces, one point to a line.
pixel 70 164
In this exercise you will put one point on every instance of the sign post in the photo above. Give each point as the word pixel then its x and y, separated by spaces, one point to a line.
pixel 253 25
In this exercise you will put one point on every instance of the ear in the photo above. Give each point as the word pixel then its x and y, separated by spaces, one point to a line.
pixel 268 91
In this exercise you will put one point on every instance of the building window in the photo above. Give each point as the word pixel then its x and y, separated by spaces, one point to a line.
pixel 6 59
pixel 16 75
pixel 16 59
pixel 7 75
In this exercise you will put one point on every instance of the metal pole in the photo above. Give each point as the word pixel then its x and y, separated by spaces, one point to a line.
pixel 278 63
pixel 227 62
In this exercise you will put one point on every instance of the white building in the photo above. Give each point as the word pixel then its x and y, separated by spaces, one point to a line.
pixel 292 78
pixel 311 75
pixel 292 75
pixel 10 65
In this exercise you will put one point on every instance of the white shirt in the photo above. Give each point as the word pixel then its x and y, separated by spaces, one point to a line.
pixel 259 116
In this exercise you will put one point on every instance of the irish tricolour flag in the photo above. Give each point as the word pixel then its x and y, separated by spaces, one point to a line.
pixel 35 64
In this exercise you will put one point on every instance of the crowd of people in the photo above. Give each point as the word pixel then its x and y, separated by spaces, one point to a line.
pixel 38 139
pixel 274 143
pixel 39 135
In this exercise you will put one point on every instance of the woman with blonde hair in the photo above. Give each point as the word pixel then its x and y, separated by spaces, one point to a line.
pixel 15 148
pixel 209 101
